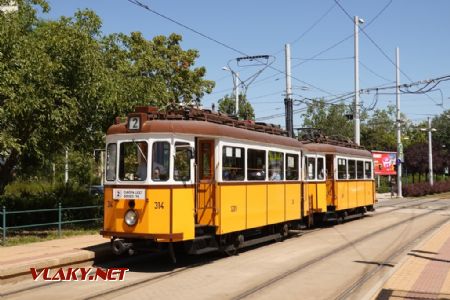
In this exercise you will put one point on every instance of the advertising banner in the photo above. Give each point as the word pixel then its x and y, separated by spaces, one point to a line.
pixel 384 162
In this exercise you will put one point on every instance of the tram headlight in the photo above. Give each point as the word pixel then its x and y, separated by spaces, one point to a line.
pixel 131 217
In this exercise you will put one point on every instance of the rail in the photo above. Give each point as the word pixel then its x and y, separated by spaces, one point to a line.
pixel 59 222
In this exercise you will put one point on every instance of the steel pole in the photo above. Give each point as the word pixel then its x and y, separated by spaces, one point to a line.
pixel 356 104
pixel 398 124
pixel 236 95
pixel 430 152
pixel 4 226
pixel 288 99
pixel 59 219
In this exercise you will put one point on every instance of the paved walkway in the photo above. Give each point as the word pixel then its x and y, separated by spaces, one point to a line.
pixel 425 274
pixel 17 260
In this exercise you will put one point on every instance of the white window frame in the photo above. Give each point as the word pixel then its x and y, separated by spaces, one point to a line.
pixel 315 156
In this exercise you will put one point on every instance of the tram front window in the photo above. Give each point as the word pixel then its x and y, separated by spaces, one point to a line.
pixel 133 161
pixel 111 159
pixel 160 161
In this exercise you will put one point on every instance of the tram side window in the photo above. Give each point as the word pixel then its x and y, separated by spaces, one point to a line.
pixel 276 165
pixel 111 161
pixel 310 168
pixel 320 168
pixel 342 168
pixel 351 169
pixel 359 169
pixel 368 170
pixel 233 163
pixel 133 161
pixel 291 167
pixel 256 164
pixel 182 162
pixel 160 161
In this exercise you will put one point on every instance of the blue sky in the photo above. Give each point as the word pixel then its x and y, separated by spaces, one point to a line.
pixel 419 28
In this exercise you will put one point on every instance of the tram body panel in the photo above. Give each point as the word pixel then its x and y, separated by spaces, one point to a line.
pixel 275 203
pixel 256 205
pixel 292 201
pixel 232 210
pixel 183 212
pixel 353 188
pixel 315 193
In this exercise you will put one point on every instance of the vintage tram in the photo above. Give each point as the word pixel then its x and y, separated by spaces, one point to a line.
pixel 206 182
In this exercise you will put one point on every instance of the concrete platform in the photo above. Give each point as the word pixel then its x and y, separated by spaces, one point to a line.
pixel 16 261
pixel 425 273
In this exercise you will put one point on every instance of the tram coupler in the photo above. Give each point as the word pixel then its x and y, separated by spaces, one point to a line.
pixel 119 246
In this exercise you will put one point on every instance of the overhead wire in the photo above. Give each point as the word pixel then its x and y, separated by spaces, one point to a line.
pixel 377 46
pixel 146 7
pixel 310 27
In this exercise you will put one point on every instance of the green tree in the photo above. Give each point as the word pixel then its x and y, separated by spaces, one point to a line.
pixel 442 134
pixel 228 105
pixel 62 83
pixel 331 119
pixel 378 132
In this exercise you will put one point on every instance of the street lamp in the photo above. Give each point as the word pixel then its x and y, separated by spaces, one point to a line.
pixel 430 151
pixel 236 87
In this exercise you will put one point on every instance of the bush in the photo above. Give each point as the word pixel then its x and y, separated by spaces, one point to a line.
pixel 41 195
pixel 424 188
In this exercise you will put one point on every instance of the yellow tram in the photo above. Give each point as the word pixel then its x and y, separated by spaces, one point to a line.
pixel 208 182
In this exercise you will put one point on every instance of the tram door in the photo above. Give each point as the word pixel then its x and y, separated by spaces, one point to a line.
pixel 330 180
pixel 205 182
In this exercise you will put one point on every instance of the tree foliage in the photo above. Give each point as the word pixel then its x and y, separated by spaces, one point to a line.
pixel 62 82
pixel 331 119
pixel 228 105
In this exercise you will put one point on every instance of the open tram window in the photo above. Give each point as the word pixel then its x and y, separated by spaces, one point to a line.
pixel 133 161
pixel 233 163
pixel 276 165
pixel 351 169
pixel 291 167
pixel 368 170
pixel 320 168
pixel 342 168
pixel 256 164
pixel 310 168
pixel 160 161
pixel 111 161
pixel 359 169
pixel 182 162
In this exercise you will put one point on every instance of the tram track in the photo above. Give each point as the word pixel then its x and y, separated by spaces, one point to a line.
pixel 269 283
pixel 396 253
pixel 130 262
pixel 137 261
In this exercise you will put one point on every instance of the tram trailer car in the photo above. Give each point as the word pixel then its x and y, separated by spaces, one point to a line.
pixel 204 182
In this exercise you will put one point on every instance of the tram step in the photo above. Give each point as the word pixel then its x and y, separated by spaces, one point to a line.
pixel 201 229
pixel 203 250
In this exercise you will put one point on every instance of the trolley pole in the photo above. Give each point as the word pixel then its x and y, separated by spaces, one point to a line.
pixel 398 124
pixel 288 99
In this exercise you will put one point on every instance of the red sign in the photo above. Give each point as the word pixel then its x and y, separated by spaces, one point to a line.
pixel 384 162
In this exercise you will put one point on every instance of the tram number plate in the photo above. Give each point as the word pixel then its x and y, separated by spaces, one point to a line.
pixel 128 194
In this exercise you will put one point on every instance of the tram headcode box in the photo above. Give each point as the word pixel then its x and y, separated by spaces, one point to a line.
pixel 129 194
